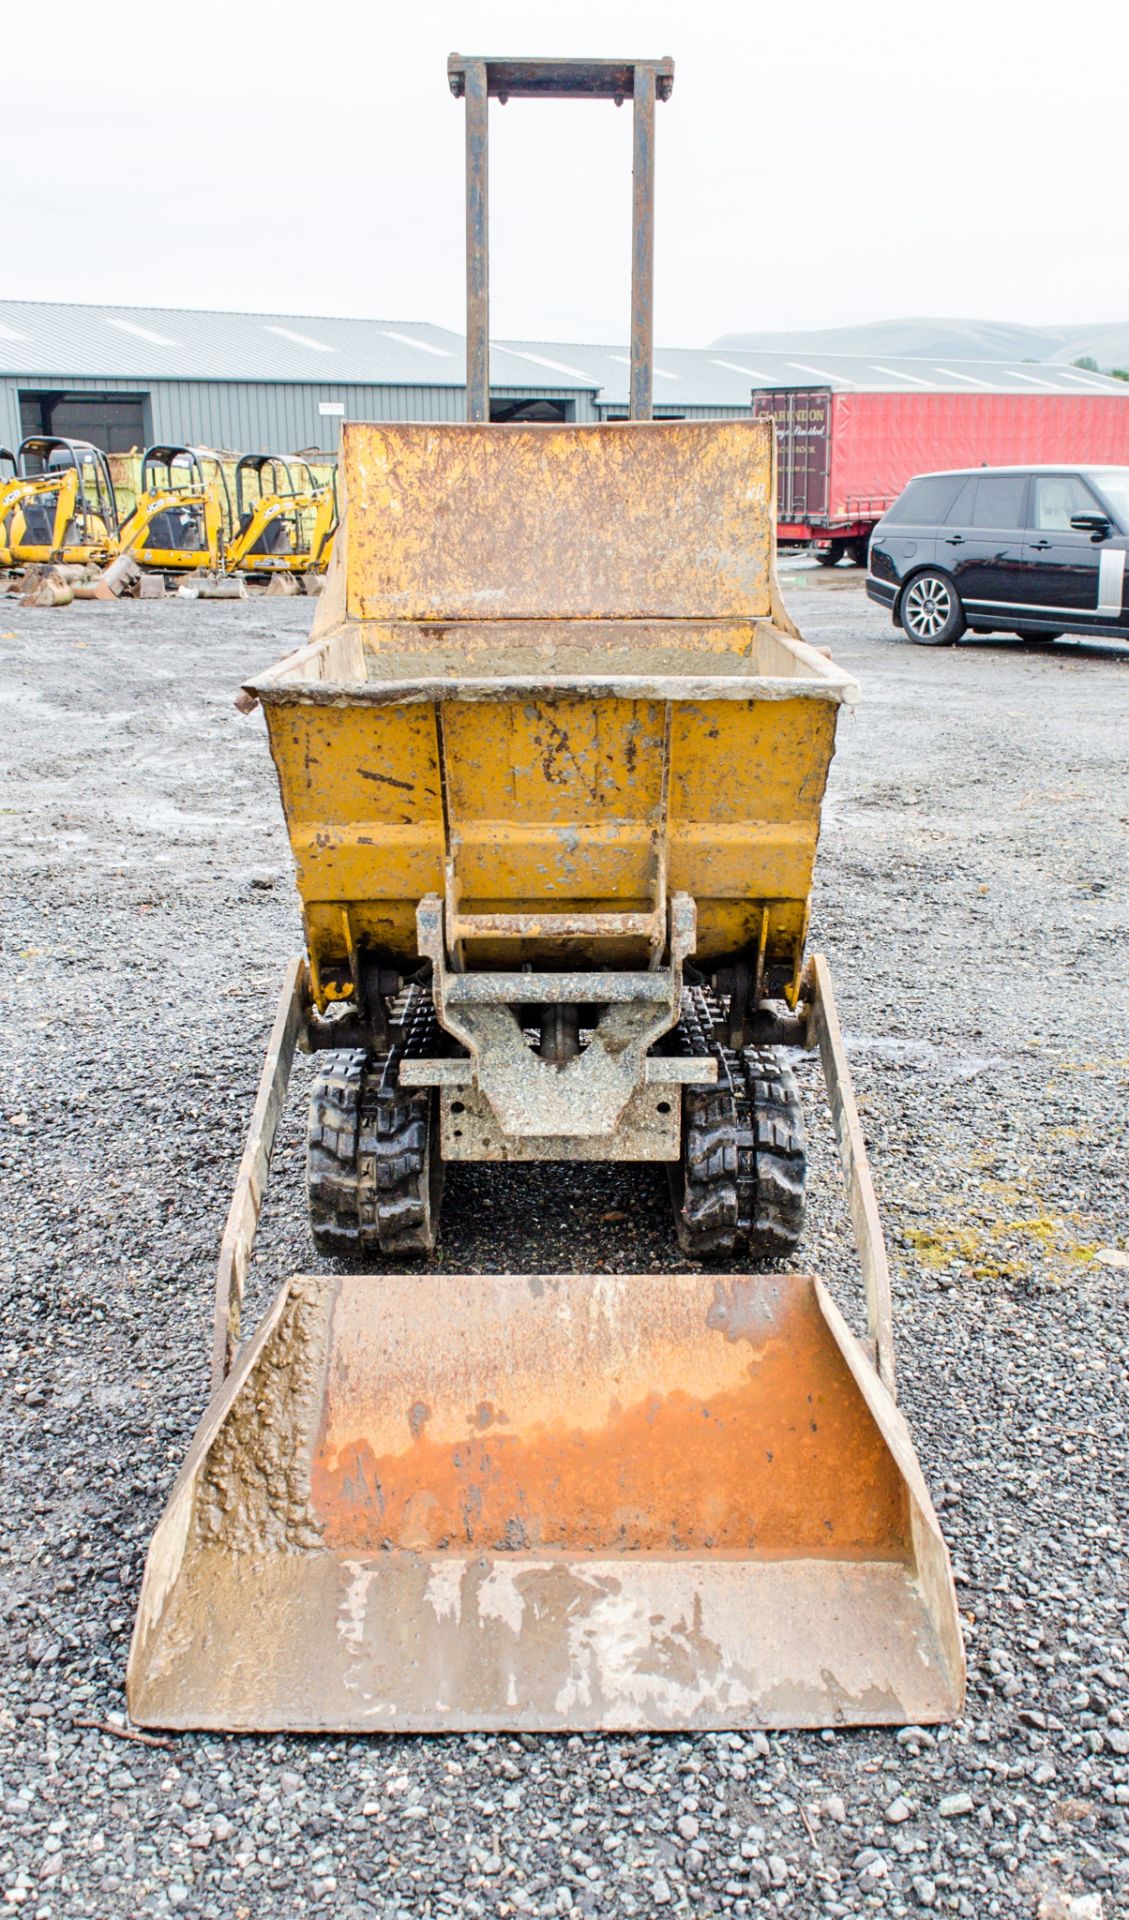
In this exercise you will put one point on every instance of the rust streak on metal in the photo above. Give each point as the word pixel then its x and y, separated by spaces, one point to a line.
pixel 766 1452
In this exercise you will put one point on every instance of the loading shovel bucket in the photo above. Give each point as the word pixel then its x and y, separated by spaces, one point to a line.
pixel 436 1502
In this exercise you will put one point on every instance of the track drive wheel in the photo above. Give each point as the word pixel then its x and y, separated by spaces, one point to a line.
pixel 374 1175
pixel 739 1188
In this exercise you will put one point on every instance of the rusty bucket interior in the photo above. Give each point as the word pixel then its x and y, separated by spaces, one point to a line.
pixel 433 1502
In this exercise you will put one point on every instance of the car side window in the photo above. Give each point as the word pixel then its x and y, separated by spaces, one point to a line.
pixel 1057 497
pixel 960 513
pixel 925 501
pixel 999 500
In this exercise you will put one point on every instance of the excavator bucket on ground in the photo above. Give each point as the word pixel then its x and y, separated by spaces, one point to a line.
pixel 552 768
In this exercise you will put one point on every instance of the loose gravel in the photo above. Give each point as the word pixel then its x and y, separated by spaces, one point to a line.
pixel 972 897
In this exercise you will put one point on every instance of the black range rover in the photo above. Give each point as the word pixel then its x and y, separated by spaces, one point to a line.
pixel 1037 551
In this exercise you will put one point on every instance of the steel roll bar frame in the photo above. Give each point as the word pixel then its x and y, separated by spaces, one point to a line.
pixel 477 80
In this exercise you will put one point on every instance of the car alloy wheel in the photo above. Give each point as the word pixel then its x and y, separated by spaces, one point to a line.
pixel 931 611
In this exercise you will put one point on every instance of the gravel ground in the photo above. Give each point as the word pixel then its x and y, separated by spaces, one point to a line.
pixel 972 898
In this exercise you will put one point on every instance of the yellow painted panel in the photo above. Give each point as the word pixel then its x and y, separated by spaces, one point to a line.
pixel 567 761
pixel 745 860
pixel 746 782
pixel 368 860
pixel 761 760
pixel 450 522
pixel 555 865
pixel 341 766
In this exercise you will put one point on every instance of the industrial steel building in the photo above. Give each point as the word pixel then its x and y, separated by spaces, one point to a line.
pixel 129 376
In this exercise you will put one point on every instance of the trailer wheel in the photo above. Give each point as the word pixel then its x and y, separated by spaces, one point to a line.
pixel 1031 635
pixel 374 1175
pixel 831 555
pixel 930 609
pixel 858 551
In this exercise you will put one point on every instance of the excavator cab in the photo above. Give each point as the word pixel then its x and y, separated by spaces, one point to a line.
pixel 61 504
pixel 284 517
pixel 183 511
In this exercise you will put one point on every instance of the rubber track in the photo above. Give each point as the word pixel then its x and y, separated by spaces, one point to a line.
pixel 743 1156
pixel 370 1185
pixel 331 1152
pixel 781 1158
pixel 392 1163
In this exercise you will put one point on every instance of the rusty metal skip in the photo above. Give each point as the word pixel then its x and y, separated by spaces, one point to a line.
pixel 552 767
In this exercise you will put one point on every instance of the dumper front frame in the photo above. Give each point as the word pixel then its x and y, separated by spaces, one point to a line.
pixel 611 1634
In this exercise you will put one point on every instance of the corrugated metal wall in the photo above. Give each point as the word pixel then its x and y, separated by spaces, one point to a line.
pixel 252 418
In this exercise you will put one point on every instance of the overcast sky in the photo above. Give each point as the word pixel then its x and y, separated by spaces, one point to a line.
pixel 817 163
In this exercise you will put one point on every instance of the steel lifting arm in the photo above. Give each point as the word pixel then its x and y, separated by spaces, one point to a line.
pixel 477 80
pixel 287 1033
pixel 254 1168
pixel 325 519
pixel 290 505
pixel 61 486
pixel 825 1033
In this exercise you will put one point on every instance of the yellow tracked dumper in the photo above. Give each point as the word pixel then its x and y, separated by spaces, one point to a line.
pixel 552 767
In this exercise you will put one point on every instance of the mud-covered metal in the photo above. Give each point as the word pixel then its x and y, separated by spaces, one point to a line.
pixel 550 676
pixel 668 520
pixel 610 1095
pixel 549 1502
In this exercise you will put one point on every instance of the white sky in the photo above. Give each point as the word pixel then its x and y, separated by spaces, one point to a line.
pixel 818 163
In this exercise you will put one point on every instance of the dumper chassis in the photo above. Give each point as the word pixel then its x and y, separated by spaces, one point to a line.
pixel 375 1172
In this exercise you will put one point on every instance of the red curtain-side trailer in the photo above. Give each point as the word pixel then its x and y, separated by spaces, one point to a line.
pixel 844 457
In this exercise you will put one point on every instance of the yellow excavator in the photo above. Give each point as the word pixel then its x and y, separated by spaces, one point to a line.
pixel 552 768
pixel 60 503
pixel 9 488
pixel 182 519
pixel 284 524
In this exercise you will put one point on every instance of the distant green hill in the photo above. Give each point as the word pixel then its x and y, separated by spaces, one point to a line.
pixel 1106 342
